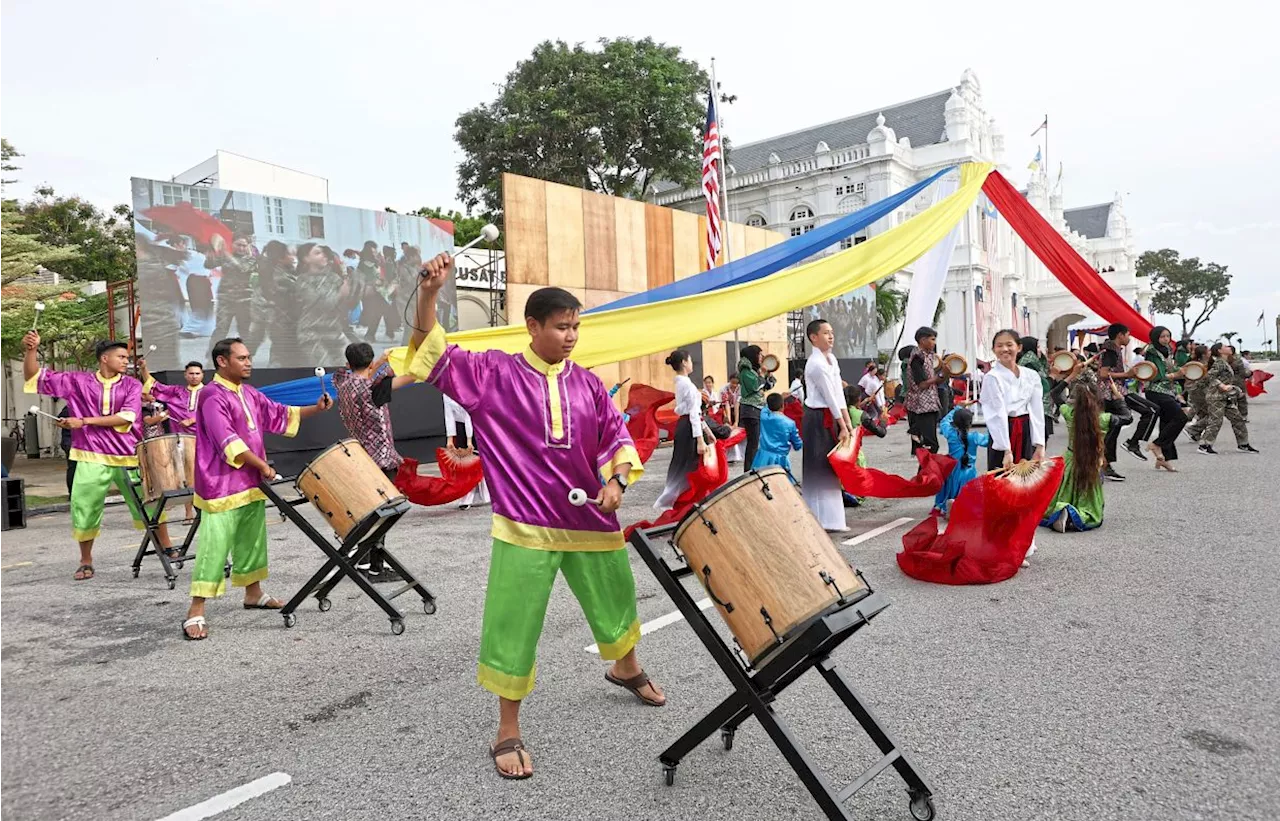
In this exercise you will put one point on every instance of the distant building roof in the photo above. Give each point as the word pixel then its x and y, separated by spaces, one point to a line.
pixel 922 121
pixel 1090 221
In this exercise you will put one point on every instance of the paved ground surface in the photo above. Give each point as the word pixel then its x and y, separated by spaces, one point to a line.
pixel 1131 673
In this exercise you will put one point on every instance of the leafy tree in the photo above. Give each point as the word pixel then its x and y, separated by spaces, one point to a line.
pixel 1229 336
pixel 891 303
pixel 7 155
pixel 104 239
pixel 1178 283
pixel 24 252
pixel 465 228
pixel 69 326
pixel 612 121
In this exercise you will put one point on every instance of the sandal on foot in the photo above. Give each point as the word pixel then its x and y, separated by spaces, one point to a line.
pixel 84 572
pixel 634 684
pixel 197 621
pixel 265 603
pixel 505 747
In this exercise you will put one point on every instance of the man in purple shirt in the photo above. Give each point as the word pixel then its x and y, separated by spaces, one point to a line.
pixel 545 426
pixel 104 415
pixel 179 400
pixel 232 419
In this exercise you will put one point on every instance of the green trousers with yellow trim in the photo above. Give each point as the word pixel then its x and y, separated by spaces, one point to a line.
pixel 520 582
pixel 241 533
pixel 89 495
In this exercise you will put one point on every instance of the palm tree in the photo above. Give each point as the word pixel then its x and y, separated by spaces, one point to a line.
pixel 939 311
pixel 891 303
pixel 1229 336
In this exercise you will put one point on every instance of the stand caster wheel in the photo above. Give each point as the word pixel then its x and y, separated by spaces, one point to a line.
pixel 397 626
pixel 324 604
pixel 172 582
pixel 290 620
pixel 135 572
pixel 726 738
pixel 429 606
pixel 176 564
pixel 669 775
pixel 921 807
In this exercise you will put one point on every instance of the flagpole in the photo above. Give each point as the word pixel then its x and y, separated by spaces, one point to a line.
pixel 1047 166
pixel 724 188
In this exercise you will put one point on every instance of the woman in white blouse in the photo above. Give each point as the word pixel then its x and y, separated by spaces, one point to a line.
pixel 688 442
pixel 1013 407
pixel 826 419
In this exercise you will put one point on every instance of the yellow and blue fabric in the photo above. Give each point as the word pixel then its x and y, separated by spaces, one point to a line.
pixel 515 604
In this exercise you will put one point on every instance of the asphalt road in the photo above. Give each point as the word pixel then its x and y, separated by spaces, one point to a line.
pixel 1131 673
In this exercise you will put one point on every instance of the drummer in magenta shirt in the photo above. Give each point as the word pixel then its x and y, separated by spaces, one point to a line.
pixel 545 426
pixel 231 460
pixel 105 419
pixel 179 399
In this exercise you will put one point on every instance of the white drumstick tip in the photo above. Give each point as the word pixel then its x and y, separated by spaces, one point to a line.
pixel 33 409
pixel 39 307
pixel 489 232
pixel 150 348
pixel 577 497
pixel 319 371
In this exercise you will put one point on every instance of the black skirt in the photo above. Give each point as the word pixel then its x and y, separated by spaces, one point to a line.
pixel 995 458
pixel 818 441
pixel 684 460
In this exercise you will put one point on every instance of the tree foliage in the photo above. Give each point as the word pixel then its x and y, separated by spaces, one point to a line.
pixel 613 121
pixel 7 155
pixel 24 252
pixel 465 228
pixel 104 239
pixel 891 303
pixel 70 324
pixel 1180 284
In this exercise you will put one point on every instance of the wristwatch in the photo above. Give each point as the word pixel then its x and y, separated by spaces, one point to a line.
pixel 620 479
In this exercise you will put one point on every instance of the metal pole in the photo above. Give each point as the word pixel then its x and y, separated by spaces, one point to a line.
pixel 724 188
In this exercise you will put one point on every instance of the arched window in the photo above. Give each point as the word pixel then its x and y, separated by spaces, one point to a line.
pixel 798 216
pixel 756 221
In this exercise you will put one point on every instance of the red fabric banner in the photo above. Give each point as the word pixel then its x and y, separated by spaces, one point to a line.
pixel 934 469
pixel 1254 385
pixel 460 472
pixel 1060 258
pixel 642 409
pixel 712 472
pixel 991 526
pixel 794 410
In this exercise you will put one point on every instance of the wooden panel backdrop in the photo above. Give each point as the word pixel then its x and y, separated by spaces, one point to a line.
pixel 603 248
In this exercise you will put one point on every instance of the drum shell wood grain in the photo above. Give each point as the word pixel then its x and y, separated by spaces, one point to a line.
pixel 166 463
pixel 346 485
pixel 764 554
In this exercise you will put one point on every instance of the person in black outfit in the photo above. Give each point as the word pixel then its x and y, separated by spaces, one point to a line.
pixel 65 413
pixel 1119 402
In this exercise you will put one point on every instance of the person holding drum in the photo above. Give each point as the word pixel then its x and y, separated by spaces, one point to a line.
pixel 1161 392
pixel 826 421
pixel 180 400
pixel 1119 402
pixel 364 402
pixel 232 418
pixel 752 379
pixel 104 415
pixel 689 443
pixel 547 426
pixel 1195 391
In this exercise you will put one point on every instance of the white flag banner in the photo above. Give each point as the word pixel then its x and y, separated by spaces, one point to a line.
pixel 931 271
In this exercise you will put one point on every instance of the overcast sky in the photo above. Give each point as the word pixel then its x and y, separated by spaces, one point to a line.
pixel 1178 111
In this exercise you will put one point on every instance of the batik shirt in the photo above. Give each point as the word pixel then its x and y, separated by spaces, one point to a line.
pixel 1164 364
pixel 365 406
pixel 922 367
pixel 231 420
pixel 180 400
pixel 544 429
pixel 88 394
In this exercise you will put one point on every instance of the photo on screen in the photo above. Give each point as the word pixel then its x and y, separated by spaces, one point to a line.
pixel 297 281
pixel 853 320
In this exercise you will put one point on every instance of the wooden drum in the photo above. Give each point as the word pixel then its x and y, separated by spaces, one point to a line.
pixel 166 464
pixel 767 564
pixel 346 485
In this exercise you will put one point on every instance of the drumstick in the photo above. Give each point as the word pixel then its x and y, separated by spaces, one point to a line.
pixel 36 409
pixel 35 323
pixel 320 376
pixel 578 497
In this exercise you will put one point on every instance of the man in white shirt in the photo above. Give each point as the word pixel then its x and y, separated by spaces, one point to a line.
pixel 826 419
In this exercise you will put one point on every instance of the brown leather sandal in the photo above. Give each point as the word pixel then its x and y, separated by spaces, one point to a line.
pixel 634 684
pixel 503 747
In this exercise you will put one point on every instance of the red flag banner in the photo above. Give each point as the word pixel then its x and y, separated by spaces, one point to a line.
pixel 933 472
pixel 642 412
pixel 1060 258
pixel 991 526
pixel 1255 386
pixel 460 472
pixel 712 472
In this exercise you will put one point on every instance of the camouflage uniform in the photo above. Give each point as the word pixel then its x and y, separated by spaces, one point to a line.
pixel 1223 404
pixel 235 296
pixel 322 319
pixel 1196 393
pixel 161 307
pixel 1241 374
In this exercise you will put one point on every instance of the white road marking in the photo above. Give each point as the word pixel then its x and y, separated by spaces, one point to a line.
pixel 871 534
pixel 19 564
pixel 230 798
pixel 658 623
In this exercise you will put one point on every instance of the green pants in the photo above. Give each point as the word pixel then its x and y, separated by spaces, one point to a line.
pixel 241 533
pixel 520 581
pixel 89 495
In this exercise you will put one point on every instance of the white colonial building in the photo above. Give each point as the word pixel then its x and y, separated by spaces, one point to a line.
pixel 797 181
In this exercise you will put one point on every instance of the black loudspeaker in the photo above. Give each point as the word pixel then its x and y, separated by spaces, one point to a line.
pixel 15 505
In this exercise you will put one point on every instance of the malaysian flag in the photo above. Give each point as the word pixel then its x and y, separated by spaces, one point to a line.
pixel 711 159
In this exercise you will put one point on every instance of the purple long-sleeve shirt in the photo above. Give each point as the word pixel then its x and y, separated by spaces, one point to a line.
pixel 231 420
pixel 544 429
pixel 179 399
pixel 88 394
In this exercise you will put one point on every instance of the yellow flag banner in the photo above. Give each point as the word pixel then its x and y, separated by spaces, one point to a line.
pixel 640 330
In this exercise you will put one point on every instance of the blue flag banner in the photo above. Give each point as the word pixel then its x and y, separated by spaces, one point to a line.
pixel 305 391
pixel 773 259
